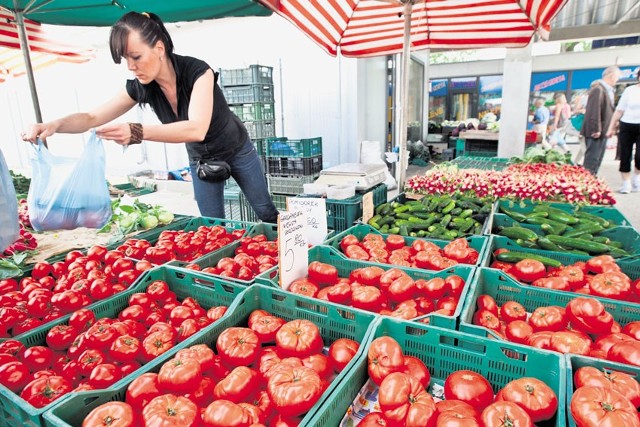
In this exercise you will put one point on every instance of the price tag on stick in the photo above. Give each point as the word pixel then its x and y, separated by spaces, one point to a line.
pixel 315 209
pixel 367 206
pixel 293 248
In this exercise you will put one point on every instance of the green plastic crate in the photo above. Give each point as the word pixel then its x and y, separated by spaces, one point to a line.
pixel 484 163
pixel 300 148
pixel 575 362
pixel 444 352
pixel 334 323
pixel 291 185
pixel 280 201
pixel 610 213
pixel 254 112
pixel 503 288
pixel 345 266
pixel 379 194
pixel 16 411
pixel 479 243
pixel 628 236
pixel 229 251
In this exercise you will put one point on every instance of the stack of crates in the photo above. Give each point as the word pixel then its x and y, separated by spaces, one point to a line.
pixel 291 163
pixel 249 93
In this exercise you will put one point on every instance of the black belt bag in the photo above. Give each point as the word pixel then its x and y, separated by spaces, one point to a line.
pixel 213 170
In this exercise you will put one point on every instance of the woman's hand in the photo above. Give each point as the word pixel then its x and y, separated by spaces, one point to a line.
pixel 120 133
pixel 39 130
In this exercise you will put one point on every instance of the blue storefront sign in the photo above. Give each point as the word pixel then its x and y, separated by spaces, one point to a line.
pixel 490 84
pixel 438 87
pixel 550 81
pixel 463 83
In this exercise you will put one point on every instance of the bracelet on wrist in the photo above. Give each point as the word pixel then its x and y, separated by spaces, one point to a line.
pixel 136 133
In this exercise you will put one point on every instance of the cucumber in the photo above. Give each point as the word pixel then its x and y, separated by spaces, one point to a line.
pixel 594 218
pixel 580 244
pixel 456 211
pixel 548 245
pixel 466 213
pixel 514 257
pixel 590 228
pixel 563 217
pixel 513 214
pixel 447 209
pixel 602 239
pixel 519 233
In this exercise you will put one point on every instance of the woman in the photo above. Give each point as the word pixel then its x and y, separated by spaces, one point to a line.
pixel 561 115
pixel 184 94
pixel 626 119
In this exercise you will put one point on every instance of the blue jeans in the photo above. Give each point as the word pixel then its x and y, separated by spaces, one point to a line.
pixel 246 169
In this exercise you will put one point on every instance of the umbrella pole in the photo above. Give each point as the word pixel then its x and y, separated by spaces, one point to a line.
pixel 24 46
pixel 404 91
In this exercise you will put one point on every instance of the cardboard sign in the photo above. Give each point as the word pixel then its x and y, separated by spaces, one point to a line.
pixel 367 206
pixel 316 210
pixel 293 251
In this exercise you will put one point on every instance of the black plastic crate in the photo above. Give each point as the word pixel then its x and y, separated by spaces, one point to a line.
pixel 249 94
pixel 289 166
pixel 255 74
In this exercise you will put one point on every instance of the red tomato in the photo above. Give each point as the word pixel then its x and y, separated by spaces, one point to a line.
pixel 621 382
pixel 14 376
pixel 551 318
pixel 238 386
pixel 532 395
pixel 625 352
pixel 38 358
pixel 589 315
pixel 203 354
pixel 555 283
pixel 238 346
pixel 367 298
pixel 512 310
pixel 570 342
pixel 171 410
pixel 504 413
pixel 156 344
pixel 104 375
pixel 299 338
pixel 341 351
pixel 373 419
pixel 529 270
pixel 518 331
pixel 224 413
pixel 470 387
pixel 304 287
pixel 142 390
pixel 368 276
pixel 599 264
pixel 404 401
pixel 125 348
pixel 611 285
pixel 602 407
pixel 322 273
pixel 13 347
pixel 60 337
pixel 319 363
pixel 82 319
pixel 180 375
pixel 43 391
pixel 384 357
pixel 418 370
pixel 112 414
pixel 294 390
pixel 486 319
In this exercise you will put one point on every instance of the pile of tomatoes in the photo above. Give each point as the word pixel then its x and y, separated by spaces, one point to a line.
pixel 89 353
pixel 269 373
pixel 421 254
pixel 254 255
pixel 583 327
pixel 389 292
pixel 180 245
pixel 604 397
pixel 54 290
pixel 599 276
pixel 404 400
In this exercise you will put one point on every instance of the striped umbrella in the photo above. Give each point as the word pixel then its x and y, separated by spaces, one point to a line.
pixel 365 28
pixel 40 51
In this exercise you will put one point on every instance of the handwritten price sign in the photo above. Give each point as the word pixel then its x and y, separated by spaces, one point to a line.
pixel 316 210
pixel 293 251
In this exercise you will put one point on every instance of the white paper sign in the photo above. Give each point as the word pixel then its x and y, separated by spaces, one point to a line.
pixel 367 206
pixel 316 210
pixel 293 250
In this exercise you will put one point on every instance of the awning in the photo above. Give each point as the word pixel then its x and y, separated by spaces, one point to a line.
pixel 372 28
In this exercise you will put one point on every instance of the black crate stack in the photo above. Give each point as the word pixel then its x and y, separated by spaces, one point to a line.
pixel 291 163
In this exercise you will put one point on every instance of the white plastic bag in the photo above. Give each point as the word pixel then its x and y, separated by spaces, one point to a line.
pixel 371 153
pixel 68 193
pixel 9 225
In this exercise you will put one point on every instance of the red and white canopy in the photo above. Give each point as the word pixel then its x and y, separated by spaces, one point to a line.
pixel 44 51
pixel 362 28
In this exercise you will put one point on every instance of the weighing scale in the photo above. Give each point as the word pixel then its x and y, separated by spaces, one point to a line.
pixel 363 176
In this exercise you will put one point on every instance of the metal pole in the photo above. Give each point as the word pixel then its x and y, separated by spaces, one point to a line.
pixel 404 85
pixel 24 46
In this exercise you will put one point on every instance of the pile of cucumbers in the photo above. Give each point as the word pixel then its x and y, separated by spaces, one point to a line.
pixel 444 217
pixel 576 232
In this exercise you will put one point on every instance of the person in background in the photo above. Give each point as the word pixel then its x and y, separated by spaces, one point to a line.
pixel 541 119
pixel 184 94
pixel 626 122
pixel 578 106
pixel 597 116
pixel 561 115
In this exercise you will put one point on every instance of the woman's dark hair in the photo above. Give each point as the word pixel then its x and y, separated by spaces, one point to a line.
pixel 150 27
